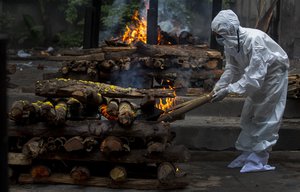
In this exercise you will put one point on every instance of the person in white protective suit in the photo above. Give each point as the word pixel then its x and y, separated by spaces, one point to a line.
pixel 257 67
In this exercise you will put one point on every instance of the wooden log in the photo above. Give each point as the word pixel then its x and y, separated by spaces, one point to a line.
pixel 107 64
pixel 54 115
pixel 75 109
pixel 177 153
pixel 51 144
pixel 24 112
pixel 141 184
pixel 294 86
pixel 212 64
pixel 55 144
pixel 74 144
pixel 124 63
pixel 173 74
pixel 113 107
pixel 141 129
pixel 116 55
pixel 149 111
pixel 264 22
pixel 90 57
pixel 92 71
pixel 159 63
pixel 127 113
pixel 118 174
pixel 214 54
pixel 111 144
pixel 48 111
pixel 165 172
pixel 156 147
pixel 79 173
pixel 85 91
pixel 118 49
pixel 170 50
pixel 60 114
pixel 88 68
pixel 189 106
pixel 40 171
pixel 78 52
pixel 34 147
pixel 103 111
pixel 18 159
pixel 89 143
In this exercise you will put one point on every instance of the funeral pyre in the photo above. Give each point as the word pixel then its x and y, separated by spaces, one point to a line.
pixel 104 120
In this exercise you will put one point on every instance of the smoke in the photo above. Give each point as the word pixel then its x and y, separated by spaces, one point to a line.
pixel 112 21
pixel 174 17
pixel 185 15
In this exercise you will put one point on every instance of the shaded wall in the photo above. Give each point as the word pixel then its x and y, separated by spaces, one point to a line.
pixel 286 31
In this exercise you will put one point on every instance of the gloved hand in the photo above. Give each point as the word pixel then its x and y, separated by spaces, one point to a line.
pixel 220 94
pixel 216 89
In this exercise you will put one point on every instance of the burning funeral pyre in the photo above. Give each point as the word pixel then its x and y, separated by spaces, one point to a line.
pixel 104 120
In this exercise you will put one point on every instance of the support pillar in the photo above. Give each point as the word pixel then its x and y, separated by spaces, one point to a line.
pixel 152 14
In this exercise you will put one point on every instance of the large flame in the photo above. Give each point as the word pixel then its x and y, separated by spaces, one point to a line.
pixel 137 31
pixel 167 103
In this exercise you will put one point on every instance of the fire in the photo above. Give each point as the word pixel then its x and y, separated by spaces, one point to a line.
pixel 103 110
pixel 166 103
pixel 137 31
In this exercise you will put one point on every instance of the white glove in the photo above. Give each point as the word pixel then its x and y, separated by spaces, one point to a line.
pixel 220 94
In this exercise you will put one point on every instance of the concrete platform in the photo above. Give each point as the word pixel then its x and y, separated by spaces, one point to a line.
pixel 212 176
pixel 220 133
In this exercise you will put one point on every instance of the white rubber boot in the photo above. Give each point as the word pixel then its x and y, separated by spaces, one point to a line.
pixel 239 161
pixel 257 162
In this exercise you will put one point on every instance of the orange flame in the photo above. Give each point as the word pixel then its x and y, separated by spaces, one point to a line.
pixel 103 110
pixel 167 103
pixel 137 31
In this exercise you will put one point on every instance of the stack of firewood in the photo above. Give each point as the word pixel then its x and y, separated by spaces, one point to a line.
pixel 294 86
pixel 144 66
pixel 88 126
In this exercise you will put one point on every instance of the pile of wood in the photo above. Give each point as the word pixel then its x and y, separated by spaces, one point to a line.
pixel 144 66
pixel 96 134
pixel 294 86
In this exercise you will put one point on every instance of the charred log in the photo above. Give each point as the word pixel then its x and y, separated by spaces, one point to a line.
pixel 40 171
pixel 190 105
pixel 86 91
pixel 79 173
pixel 75 109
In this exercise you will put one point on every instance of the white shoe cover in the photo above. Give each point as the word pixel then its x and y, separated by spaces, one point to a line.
pixel 239 161
pixel 257 162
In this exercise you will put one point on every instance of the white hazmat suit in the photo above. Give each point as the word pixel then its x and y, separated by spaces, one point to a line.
pixel 257 67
